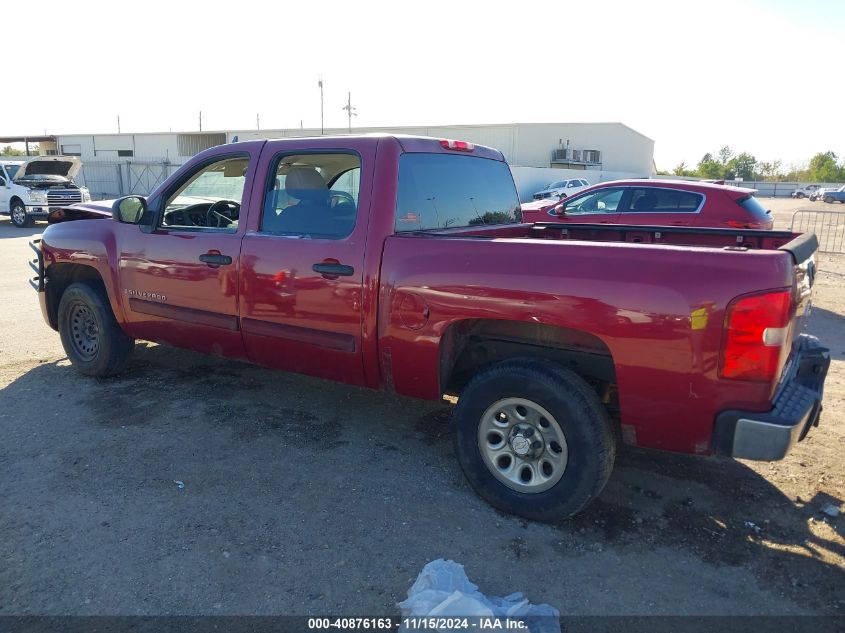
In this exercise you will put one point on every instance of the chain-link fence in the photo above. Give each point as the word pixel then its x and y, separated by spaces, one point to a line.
pixel 112 179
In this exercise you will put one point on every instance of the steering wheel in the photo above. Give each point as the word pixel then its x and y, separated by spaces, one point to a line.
pixel 217 217
pixel 339 197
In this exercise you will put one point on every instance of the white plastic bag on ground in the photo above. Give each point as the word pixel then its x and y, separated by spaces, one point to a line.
pixel 443 590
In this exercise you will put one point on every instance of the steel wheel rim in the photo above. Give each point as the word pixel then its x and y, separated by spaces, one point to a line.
pixel 84 332
pixel 18 214
pixel 522 445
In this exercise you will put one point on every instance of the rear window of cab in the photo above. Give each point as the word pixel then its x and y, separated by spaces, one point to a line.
pixel 444 191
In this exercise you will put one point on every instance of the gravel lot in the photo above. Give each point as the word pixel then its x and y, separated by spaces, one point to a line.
pixel 195 485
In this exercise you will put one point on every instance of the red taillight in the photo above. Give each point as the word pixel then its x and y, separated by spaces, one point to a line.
pixel 745 225
pixel 756 334
pixel 461 146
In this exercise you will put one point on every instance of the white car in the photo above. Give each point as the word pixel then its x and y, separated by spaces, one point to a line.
pixel 30 189
pixel 818 194
pixel 562 188
pixel 805 192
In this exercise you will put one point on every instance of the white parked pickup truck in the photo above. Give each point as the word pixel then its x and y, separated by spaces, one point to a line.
pixel 29 189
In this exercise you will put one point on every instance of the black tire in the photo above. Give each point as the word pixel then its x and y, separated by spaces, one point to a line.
pixel 800 195
pixel 20 218
pixel 586 426
pixel 93 341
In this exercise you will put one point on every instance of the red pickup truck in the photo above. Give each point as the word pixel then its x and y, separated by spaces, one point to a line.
pixel 400 263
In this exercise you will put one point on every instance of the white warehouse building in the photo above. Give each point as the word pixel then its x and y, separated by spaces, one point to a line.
pixel 119 164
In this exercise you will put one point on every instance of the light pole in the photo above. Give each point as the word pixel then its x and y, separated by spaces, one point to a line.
pixel 320 83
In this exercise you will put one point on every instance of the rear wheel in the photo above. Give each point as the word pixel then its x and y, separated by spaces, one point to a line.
pixel 828 199
pixel 91 336
pixel 533 439
pixel 20 218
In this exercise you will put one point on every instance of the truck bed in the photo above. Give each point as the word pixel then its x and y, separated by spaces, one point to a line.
pixel 800 245
pixel 651 299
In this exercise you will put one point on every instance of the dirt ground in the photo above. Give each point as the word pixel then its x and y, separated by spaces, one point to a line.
pixel 195 485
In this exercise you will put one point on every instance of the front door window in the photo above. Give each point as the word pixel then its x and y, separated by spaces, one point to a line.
pixel 210 198
pixel 596 202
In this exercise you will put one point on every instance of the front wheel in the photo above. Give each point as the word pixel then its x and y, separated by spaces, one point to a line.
pixel 828 199
pixel 91 336
pixel 20 218
pixel 533 439
pixel 799 195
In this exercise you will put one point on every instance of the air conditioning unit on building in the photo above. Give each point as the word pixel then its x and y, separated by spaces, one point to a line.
pixel 576 155
pixel 592 156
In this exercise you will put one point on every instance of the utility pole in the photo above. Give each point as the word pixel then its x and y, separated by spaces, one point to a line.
pixel 118 124
pixel 200 120
pixel 257 122
pixel 320 83
pixel 350 110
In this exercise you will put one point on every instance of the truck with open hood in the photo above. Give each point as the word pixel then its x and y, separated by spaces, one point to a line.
pixel 31 189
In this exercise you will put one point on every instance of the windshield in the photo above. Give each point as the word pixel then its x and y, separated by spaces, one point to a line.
pixel 12 170
pixel 556 185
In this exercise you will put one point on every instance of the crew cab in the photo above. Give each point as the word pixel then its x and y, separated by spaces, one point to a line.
pixel 657 202
pixel 399 263
pixel 29 189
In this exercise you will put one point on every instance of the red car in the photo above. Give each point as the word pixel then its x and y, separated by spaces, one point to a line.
pixel 656 202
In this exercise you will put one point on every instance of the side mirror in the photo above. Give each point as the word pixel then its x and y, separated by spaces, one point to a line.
pixel 129 210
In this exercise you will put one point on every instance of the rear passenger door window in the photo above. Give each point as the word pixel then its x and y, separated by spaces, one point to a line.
pixel 312 196
pixel 658 200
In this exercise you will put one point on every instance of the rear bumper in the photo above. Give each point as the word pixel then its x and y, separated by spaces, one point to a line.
pixel 797 406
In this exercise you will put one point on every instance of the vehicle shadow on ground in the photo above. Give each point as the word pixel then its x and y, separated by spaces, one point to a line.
pixel 719 511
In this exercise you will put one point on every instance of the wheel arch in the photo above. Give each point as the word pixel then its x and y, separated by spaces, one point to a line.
pixel 471 344
pixel 62 275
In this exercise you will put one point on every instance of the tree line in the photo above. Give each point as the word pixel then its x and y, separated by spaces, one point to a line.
pixel 11 151
pixel 725 165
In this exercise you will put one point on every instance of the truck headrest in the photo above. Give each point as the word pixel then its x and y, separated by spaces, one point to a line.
pixel 305 183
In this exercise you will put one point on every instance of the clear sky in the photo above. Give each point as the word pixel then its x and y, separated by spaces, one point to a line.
pixel 763 76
